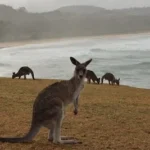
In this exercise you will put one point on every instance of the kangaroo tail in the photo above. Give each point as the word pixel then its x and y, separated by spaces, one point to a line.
pixel 27 138
pixel 32 73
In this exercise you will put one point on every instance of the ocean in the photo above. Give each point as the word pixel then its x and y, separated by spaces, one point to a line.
pixel 126 56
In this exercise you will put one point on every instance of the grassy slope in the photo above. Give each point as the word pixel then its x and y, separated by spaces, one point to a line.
pixel 110 117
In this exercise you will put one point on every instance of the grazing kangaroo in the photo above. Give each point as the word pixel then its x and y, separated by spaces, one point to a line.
pixel 90 75
pixel 25 70
pixel 111 78
pixel 49 107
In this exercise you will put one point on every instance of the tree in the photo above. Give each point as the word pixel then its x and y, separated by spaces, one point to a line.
pixel 22 9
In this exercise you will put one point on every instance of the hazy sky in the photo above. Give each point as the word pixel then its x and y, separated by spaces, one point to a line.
pixel 47 5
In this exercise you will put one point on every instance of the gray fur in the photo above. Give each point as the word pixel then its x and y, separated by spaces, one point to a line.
pixel 49 106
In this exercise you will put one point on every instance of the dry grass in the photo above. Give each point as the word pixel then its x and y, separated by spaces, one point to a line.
pixel 110 117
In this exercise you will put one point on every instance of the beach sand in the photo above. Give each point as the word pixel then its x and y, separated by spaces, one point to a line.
pixel 22 43
pixel 110 117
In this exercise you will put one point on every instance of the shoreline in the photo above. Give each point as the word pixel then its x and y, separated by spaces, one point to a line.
pixel 22 43
pixel 51 40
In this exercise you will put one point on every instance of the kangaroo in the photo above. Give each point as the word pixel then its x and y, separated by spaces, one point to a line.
pixel 111 78
pixel 25 70
pixel 91 75
pixel 49 107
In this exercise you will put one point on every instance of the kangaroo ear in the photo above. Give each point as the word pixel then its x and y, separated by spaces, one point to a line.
pixel 74 61
pixel 119 79
pixel 87 62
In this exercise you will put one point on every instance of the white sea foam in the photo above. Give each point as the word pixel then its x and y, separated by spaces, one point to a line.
pixel 126 57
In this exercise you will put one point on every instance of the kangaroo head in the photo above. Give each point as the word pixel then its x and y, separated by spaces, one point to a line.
pixel 13 75
pixel 98 80
pixel 118 81
pixel 80 69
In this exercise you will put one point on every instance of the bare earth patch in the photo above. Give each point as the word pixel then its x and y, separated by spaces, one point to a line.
pixel 110 117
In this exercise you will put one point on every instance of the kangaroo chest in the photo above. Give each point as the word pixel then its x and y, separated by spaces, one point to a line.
pixel 78 90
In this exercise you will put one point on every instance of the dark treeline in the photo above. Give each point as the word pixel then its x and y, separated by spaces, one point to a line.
pixel 71 21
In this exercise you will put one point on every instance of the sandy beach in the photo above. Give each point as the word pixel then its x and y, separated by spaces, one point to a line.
pixel 21 43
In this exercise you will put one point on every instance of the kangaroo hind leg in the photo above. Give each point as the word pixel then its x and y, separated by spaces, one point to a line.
pixel 57 132
pixel 52 133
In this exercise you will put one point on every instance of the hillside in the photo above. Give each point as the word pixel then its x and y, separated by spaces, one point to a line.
pixel 82 9
pixel 118 120
pixel 70 21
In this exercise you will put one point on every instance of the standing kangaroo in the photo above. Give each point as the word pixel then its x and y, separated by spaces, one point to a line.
pixel 25 70
pixel 49 107
pixel 111 78
pixel 90 75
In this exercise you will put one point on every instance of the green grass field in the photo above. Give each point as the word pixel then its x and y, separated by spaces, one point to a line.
pixel 110 117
